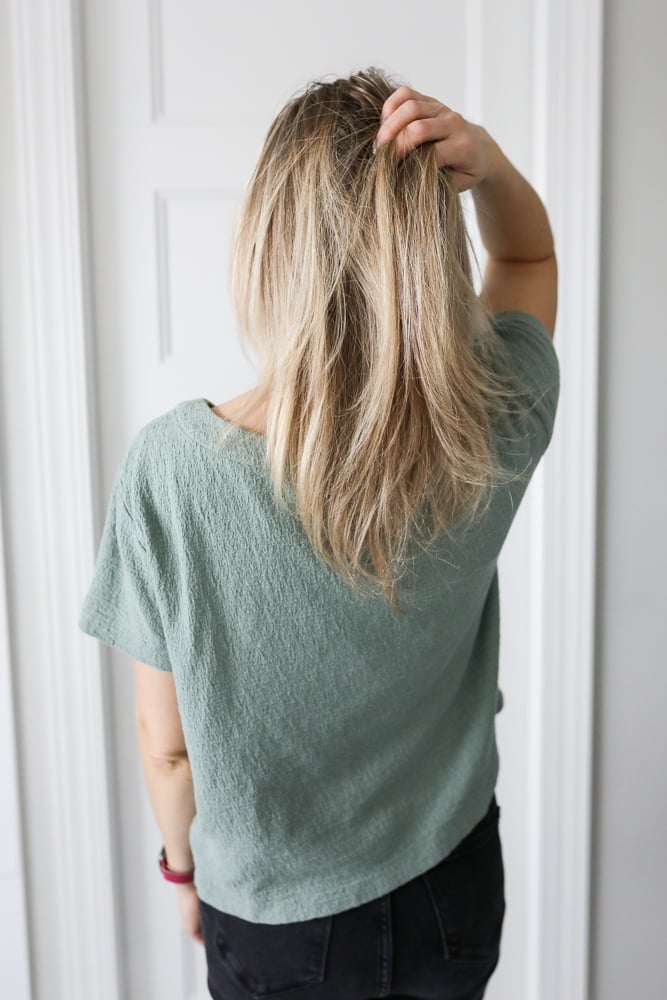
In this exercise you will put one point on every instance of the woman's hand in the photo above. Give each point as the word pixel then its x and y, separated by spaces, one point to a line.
pixel 188 904
pixel 466 149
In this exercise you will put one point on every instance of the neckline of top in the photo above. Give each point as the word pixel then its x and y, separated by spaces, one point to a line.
pixel 197 418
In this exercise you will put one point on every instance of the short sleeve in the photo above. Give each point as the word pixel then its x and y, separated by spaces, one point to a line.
pixel 121 606
pixel 536 365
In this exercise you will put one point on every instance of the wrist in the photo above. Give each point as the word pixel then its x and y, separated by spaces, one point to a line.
pixel 170 873
pixel 179 861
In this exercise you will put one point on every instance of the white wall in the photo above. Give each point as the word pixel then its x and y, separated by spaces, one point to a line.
pixel 629 897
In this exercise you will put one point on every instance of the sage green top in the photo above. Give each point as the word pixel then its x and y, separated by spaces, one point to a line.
pixel 337 750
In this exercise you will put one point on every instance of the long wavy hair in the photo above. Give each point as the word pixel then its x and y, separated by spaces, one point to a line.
pixel 380 369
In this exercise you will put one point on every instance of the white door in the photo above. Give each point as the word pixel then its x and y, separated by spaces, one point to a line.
pixel 178 99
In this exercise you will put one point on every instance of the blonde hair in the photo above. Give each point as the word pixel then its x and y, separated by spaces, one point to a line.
pixel 352 283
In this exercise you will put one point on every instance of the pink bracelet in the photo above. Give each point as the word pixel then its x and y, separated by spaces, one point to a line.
pixel 171 876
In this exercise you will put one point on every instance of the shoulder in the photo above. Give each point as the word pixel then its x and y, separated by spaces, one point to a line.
pixel 528 339
pixel 532 356
pixel 150 459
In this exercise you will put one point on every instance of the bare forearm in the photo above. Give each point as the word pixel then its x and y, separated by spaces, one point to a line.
pixel 171 793
pixel 512 219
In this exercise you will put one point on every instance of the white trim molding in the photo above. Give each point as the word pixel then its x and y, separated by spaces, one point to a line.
pixel 567 174
pixel 72 864
pixel 14 950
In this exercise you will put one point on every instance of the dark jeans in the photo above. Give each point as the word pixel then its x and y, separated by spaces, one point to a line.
pixel 437 937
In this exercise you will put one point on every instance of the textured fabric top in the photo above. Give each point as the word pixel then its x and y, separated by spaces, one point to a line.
pixel 337 750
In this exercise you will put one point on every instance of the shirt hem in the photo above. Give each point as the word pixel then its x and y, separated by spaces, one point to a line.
pixel 410 864
pixel 91 625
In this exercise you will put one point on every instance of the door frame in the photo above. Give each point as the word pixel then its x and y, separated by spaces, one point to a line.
pixel 51 231
pixel 62 723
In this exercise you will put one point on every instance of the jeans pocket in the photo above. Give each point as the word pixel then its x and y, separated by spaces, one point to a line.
pixel 467 892
pixel 268 959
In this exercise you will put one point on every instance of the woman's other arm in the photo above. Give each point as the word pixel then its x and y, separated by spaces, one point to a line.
pixel 522 270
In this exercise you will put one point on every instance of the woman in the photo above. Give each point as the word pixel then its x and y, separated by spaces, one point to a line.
pixel 311 567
